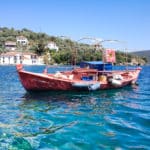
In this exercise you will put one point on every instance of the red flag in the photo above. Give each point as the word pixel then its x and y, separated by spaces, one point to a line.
pixel 109 55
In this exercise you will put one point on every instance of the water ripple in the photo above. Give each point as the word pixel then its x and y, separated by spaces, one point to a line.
pixel 112 119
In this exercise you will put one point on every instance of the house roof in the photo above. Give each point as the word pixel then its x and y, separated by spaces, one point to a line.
pixel 21 38
pixel 16 53
pixel 10 43
pixel 11 54
pixel 51 42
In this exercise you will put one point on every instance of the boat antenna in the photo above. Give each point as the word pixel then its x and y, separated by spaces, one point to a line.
pixel 126 53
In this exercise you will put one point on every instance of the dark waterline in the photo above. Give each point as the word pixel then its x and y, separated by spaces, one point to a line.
pixel 110 119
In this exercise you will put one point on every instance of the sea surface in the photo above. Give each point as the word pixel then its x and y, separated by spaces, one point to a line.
pixel 109 119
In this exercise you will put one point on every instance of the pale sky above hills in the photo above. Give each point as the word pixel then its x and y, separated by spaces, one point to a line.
pixel 124 20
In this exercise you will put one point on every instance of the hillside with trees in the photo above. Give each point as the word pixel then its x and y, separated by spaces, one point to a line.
pixel 145 54
pixel 70 52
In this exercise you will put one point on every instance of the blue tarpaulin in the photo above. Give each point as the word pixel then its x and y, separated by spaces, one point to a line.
pixel 99 65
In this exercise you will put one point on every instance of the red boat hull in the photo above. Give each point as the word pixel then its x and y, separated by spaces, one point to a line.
pixel 46 82
pixel 31 81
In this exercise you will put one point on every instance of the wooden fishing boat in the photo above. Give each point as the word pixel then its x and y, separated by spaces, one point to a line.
pixel 94 75
pixel 77 79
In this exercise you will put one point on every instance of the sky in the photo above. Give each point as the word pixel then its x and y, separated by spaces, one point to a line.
pixel 123 20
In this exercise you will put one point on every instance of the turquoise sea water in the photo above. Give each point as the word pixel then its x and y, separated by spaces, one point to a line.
pixel 111 119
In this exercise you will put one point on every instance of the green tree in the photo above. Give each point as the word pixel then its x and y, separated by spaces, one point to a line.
pixel 39 49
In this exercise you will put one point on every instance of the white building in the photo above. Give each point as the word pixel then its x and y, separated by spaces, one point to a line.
pixel 22 40
pixel 12 58
pixel 52 46
pixel 10 45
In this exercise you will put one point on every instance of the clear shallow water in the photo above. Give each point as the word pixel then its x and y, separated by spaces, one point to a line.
pixel 112 119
